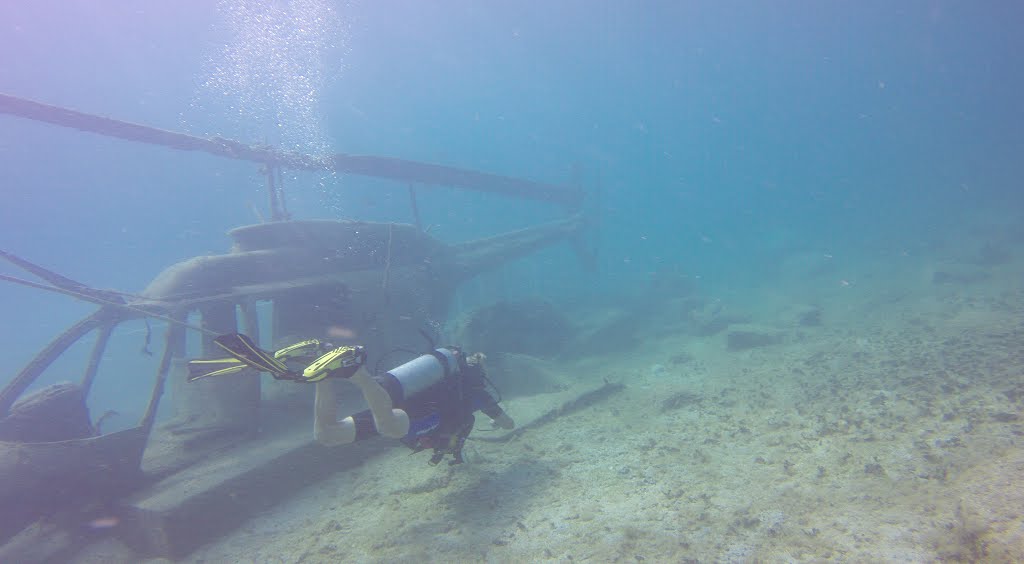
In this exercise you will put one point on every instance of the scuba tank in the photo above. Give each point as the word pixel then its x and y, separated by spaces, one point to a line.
pixel 411 378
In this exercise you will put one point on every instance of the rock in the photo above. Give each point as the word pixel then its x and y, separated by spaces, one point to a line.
pixel 988 518
pixel 874 469
pixel 531 327
pixel 960 277
pixel 992 254
pixel 668 283
pixel 713 318
pixel 751 336
pixel 802 316
pixel 604 331
pixel 809 316
pixel 522 375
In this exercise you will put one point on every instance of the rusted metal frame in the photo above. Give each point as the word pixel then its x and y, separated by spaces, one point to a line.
pixel 251 325
pixel 439 175
pixel 218 317
pixel 415 209
pixel 81 121
pixel 126 311
pixel 45 357
pixel 365 165
pixel 275 192
pixel 174 345
pixel 102 338
pixel 60 281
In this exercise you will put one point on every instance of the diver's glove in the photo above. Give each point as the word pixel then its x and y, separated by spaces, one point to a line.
pixel 341 362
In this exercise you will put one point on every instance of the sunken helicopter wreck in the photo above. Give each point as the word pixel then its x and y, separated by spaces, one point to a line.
pixel 295 278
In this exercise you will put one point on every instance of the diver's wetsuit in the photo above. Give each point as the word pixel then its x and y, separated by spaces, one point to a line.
pixel 441 416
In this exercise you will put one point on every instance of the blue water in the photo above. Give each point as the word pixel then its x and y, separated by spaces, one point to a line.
pixel 713 137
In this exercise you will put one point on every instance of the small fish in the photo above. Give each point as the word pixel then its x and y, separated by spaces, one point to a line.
pixel 341 332
pixel 104 523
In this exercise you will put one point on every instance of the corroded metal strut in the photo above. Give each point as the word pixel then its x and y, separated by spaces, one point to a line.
pixel 380 167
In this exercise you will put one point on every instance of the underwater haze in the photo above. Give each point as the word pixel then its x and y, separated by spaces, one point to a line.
pixel 806 219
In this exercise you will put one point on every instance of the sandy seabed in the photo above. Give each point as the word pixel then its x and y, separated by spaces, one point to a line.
pixel 891 431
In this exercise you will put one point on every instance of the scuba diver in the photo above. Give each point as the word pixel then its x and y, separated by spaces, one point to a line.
pixel 427 402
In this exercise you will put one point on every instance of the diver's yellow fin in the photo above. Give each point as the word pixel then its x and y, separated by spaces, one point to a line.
pixel 242 348
pixel 201 368
pixel 341 362
pixel 309 348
